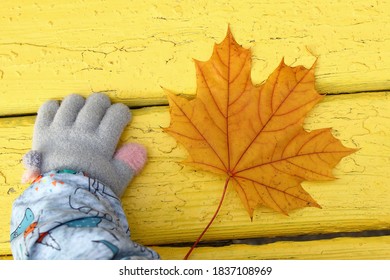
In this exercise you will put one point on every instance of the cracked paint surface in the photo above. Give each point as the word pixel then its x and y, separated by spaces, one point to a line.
pixel 169 202
pixel 129 49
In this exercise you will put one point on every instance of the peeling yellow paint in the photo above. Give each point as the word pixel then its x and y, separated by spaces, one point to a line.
pixel 169 202
pixel 129 49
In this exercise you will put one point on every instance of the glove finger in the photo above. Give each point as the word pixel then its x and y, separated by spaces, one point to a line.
pixel 93 111
pixel 46 113
pixel 69 109
pixel 134 155
pixel 123 175
pixel 113 123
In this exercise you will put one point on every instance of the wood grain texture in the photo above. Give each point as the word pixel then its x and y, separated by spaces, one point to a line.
pixel 129 49
pixel 169 202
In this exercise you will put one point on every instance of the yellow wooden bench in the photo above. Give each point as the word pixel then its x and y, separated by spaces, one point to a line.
pixel 129 49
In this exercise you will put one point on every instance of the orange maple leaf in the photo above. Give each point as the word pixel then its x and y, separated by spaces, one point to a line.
pixel 254 134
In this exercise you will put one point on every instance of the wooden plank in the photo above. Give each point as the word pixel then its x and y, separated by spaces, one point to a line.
pixel 169 202
pixel 131 48
pixel 366 248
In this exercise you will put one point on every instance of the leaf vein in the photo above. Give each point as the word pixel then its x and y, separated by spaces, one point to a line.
pixel 199 132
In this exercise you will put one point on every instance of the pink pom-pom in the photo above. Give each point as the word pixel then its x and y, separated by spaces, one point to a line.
pixel 29 175
pixel 134 155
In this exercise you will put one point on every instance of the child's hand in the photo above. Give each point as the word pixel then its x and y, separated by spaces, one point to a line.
pixel 82 135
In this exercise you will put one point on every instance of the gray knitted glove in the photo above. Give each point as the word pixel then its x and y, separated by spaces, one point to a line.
pixel 82 135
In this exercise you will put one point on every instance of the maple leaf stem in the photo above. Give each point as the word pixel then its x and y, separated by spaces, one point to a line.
pixel 211 221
